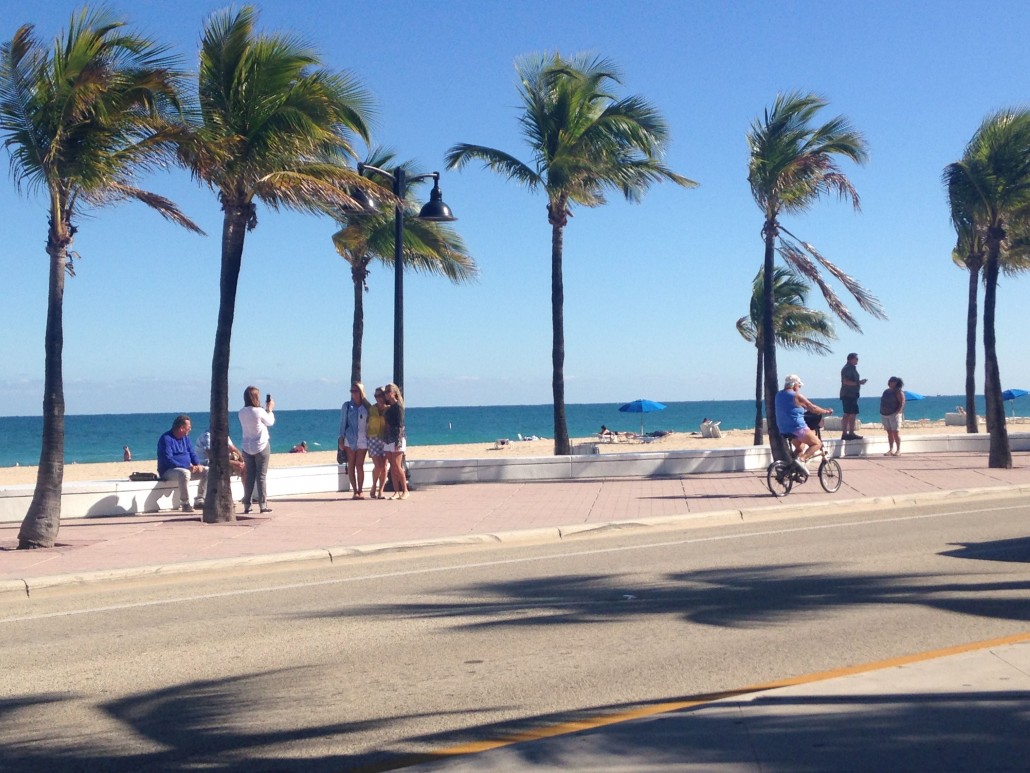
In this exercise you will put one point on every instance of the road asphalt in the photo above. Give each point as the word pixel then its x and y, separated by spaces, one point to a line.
pixel 958 709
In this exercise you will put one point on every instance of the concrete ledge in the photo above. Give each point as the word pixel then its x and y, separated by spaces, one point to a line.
pixel 88 499
pixel 111 498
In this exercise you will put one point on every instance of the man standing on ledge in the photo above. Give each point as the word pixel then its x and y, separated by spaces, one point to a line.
pixel 177 461
pixel 850 386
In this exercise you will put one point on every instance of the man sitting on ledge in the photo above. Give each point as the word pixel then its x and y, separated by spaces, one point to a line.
pixel 177 461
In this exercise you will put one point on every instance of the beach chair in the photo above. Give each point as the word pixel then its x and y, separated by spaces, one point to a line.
pixel 711 429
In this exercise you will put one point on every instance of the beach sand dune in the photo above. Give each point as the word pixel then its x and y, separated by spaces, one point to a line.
pixel 676 441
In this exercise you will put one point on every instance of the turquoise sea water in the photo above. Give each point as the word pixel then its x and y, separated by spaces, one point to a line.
pixel 99 438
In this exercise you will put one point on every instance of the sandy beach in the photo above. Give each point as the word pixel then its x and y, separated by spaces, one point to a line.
pixel 676 441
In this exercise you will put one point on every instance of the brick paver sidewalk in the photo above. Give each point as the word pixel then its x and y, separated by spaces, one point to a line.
pixel 333 522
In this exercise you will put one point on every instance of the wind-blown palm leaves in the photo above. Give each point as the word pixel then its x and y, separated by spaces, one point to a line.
pixel 275 127
pixel 584 141
pixel 428 247
pixel 792 165
pixel 81 120
pixel 796 325
pixel 969 253
pixel 989 196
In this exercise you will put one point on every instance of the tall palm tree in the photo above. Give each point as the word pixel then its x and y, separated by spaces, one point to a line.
pixel 796 326
pixel 428 247
pixel 275 127
pixel 584 142
pixel 792 164
pixel 969 254
pixel 989 193
pixel 80 120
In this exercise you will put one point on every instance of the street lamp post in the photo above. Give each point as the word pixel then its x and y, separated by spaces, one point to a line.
pixel 435 211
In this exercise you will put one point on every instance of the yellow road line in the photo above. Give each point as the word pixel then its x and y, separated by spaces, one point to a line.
pixel 579 725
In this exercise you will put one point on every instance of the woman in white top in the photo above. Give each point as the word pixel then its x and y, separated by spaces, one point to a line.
pixel 255 421
pixel 353 439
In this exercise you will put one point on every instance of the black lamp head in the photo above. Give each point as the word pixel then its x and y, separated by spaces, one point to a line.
pixel 436 211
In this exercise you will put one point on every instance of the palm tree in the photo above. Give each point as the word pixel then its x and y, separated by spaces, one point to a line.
pixel 80 120
pixel 796 325
pixel 429 247
pixel 989 194
pixel 584 142
pixel 969 254
pixel 275 127
pixel 793 164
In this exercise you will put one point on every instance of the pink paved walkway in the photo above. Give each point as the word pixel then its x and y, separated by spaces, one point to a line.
pixel 334 522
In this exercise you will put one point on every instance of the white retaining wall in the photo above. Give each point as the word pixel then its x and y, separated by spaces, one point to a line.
pixel 116 497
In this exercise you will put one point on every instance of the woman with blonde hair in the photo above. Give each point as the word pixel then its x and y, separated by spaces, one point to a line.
pixel 395 440
pixel 255 421
pixel 376 444
pixel 353 440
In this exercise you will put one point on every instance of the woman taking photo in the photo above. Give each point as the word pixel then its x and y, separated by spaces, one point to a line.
pixel 255 421
pixel 395 441
pixel 353 438
pixel 376 444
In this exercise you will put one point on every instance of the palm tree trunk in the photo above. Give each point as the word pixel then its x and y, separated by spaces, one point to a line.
pixel 758 399
pixel 777 444
pixel 43 520
pixel 358 327
pixel 972 425
pixel 1000 455
pixel 561 430
pixel 218 505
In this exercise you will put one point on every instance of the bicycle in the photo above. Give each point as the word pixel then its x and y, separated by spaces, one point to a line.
pixel 781 477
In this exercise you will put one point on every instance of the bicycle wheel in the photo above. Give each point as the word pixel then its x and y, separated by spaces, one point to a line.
pixel 778 479
pixel 830 475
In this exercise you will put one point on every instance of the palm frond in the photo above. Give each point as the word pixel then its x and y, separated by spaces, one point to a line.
pixel 498 161
pixel 800 261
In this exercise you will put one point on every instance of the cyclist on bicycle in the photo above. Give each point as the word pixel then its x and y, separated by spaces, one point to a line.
pixel 790 418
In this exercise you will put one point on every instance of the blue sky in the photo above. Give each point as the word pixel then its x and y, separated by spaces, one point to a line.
pixel 652 290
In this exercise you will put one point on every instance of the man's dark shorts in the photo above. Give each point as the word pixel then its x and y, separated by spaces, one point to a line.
pixel 850 405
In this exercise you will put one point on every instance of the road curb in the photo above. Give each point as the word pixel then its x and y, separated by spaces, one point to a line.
pixel 540 535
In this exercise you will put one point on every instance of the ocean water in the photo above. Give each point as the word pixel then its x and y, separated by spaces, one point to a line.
pixel 99 438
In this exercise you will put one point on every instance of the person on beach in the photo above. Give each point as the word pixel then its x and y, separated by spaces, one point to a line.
pixel 300 448
pixel 178 462
pixel 353 439
pixel 850 387
pixel 791 406
pixel 254 422
pixel 395 440
pixel 892 406
pixel 375 431
pixel 126 454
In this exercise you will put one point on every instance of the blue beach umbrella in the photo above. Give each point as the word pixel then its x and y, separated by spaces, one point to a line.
pixel 913 395
pixel 1012 394
pixel 641 407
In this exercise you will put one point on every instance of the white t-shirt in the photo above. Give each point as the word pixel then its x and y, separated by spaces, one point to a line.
pixel 255 423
